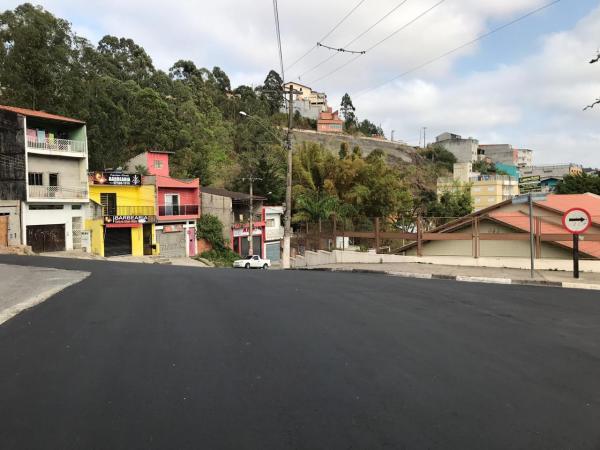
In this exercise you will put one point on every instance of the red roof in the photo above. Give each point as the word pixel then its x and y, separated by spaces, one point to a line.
pixel 561 203
pixel 520 220
pixel 162 181
pixel 40 114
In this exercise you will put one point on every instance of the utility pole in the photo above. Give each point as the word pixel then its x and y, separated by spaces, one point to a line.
pixel 287 231
pixel 251 226
pixel 424 137
pixel 392 138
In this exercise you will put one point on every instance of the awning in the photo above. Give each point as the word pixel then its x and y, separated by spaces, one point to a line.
pixel 123 225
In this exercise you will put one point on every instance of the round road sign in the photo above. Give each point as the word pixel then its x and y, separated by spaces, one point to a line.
pixel 577 220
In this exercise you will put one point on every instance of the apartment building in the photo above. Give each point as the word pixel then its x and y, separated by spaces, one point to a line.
pixel 486 190
pixel 306 101
pixel 506 154
pixel 44 162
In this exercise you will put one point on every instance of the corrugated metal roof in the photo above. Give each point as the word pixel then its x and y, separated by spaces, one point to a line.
pixel 39 114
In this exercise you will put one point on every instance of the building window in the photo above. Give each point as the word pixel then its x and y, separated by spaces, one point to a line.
pixel 171 205
pixel 108 201
pixel 75 206
pixel 53 179
pixel 270 223
pixel 35 179
pixel 158 164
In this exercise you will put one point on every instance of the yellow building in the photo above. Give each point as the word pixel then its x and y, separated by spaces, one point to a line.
pixel 486 190
pixel 122 215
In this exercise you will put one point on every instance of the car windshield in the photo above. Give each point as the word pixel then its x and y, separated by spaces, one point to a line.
pixel 247 257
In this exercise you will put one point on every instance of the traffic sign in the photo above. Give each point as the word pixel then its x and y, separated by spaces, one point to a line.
pixel 576 220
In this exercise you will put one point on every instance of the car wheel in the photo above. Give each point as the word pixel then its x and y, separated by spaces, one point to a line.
pixel 265 266
pixel 247 265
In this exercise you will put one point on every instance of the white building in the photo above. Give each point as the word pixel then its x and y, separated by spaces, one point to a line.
pixel 45 166
pixel 307 102
pixel 465 150
pixel 273 232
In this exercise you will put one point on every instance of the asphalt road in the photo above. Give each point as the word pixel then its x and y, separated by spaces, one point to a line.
pixel 141 356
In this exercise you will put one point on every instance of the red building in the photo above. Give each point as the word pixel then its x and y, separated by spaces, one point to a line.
pixel 330 122
pixel 177 201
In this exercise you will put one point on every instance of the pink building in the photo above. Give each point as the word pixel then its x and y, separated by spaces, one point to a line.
pixel 177 201
pixel 330 122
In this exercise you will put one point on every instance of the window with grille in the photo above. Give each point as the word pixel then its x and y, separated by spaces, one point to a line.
pixel 108 201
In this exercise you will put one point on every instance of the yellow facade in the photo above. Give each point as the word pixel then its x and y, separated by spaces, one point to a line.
pixel 484 192
pixel 131 200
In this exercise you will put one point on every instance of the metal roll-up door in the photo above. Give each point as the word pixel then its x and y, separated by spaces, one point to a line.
pixel 172 244
pixel 273 251
pixel 117 241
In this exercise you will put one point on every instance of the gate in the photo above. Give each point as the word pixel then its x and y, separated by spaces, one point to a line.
pixel 46 238
pixel 3 231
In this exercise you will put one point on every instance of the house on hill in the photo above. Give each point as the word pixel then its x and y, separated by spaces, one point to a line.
pixel 330 122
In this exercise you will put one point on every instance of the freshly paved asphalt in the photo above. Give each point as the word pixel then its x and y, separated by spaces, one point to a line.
pixel 143 356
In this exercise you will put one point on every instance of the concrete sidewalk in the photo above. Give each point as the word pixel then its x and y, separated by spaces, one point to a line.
pixel 22 287
pixel 175 261
pixel 587 280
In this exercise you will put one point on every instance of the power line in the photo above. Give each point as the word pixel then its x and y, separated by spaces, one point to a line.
pixel 278 33
pixel 466 44
pixel 407 24
pixel 342 50
pixel 329 58
pixel 327 34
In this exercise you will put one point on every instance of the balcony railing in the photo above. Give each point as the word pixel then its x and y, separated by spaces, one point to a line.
pixel 178 210
pixel 128 211
pixel 57 145
pixel 245 218
pixel 58 192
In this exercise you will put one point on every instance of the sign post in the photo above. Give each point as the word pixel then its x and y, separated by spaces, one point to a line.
pixel 576 221
pixel 529 199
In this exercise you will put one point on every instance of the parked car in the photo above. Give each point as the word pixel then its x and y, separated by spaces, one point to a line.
pixel 252 262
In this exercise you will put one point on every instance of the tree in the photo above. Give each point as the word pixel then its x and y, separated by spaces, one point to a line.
pixel 343 153
pixel 221 79
pixel 209 227
pixel 272 91
pixel 123 59
pixel 37 55
pixel 579 184
pixel 314 207
pixel 453 203
pixel 347 109
pixel 440 156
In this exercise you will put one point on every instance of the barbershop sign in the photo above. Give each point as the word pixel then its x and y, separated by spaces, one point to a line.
pixel 117 179
pixel 126 219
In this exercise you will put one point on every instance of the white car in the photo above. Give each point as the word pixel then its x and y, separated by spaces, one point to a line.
pixel 252 262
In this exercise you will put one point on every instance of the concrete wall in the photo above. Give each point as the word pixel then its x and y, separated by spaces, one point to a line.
pixel 13 208
pixel 348 257
pixel 12 157
pixel 62 216
pixel 465 150
pixel 72 172
pixel 332 141
pixel 221 207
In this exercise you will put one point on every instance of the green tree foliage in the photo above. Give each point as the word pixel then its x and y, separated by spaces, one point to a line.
pixel 453 203
pixel 363 187
pixel 343 153
pixel 210 228
pixel 370 129
pixel 579 184
pixel 440 156
pixel 37 56
pixel 272 91
pixel 348 113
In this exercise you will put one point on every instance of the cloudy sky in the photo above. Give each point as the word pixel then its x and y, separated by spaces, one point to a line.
pixel 525 85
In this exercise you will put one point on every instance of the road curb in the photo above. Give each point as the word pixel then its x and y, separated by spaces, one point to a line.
pixel 462 278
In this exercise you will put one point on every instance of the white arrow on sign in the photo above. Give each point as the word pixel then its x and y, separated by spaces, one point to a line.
pixel 577 220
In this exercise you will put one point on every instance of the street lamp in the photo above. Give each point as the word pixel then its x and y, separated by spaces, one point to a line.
pixel 287 230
